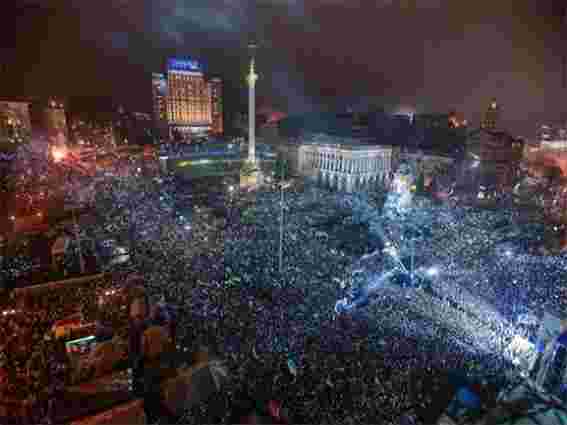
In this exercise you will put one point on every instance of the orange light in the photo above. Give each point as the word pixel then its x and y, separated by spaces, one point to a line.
pixel 59 154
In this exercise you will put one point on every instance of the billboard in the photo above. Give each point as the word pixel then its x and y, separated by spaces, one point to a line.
pixel 184 65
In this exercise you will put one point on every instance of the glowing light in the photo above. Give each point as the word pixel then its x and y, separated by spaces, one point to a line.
pixel 184 65
pixel 432 271
pixel 58 154
pixel 521 351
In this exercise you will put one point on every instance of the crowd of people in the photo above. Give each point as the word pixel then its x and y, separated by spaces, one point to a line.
pixel 277 331
pixel 30 352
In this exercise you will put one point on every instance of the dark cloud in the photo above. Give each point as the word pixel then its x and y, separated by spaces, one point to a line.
pixel 433 54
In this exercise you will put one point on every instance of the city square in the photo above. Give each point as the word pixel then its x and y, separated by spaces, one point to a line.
pixel 477 293
pixel 270 212
pixel 323 280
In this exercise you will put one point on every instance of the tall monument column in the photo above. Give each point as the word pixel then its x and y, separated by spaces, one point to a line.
pixel 252 77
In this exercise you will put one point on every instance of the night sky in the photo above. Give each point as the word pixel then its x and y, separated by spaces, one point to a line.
pixel 431 55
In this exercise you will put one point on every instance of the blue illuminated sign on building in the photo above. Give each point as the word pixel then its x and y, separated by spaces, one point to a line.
pixel 184 65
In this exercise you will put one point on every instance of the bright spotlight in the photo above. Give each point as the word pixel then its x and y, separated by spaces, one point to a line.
pixel 58 154
pixel 508 253
pixel 231 188
pixel 432 271
pixel 521 351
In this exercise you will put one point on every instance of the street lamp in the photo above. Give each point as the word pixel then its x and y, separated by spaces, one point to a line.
pixel 412 261
pixel 281 228
pixel 78 237
pixel 280 257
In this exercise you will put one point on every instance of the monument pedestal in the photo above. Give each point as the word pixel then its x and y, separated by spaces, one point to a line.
pixel 250 180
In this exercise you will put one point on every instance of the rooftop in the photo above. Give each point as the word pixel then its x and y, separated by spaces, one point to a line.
pixel 349 143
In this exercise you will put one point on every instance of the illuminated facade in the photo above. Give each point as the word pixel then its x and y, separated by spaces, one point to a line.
pixel 188 97
pixel 491 116
pixel 55 122
pixel 216 105
pixel 549 150
pixel 344 164
pixel 498 155
pixel 15 123
pixel 159 91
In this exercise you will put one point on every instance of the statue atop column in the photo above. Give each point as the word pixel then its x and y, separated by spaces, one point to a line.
pixel 249 173
pixel 252 78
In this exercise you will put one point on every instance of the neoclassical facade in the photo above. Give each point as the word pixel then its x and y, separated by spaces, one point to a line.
pixel 344 164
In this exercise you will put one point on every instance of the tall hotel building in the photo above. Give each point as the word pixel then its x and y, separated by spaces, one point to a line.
pixel 55 121
pixel 159 94
pixel 184 101
pixel 216 105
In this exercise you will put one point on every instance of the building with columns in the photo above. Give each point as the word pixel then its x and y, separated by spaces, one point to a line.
pixel 344 164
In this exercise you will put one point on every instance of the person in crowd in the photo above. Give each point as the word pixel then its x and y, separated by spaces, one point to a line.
pixel 138 323
pixel 58 368
pixel 248 411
